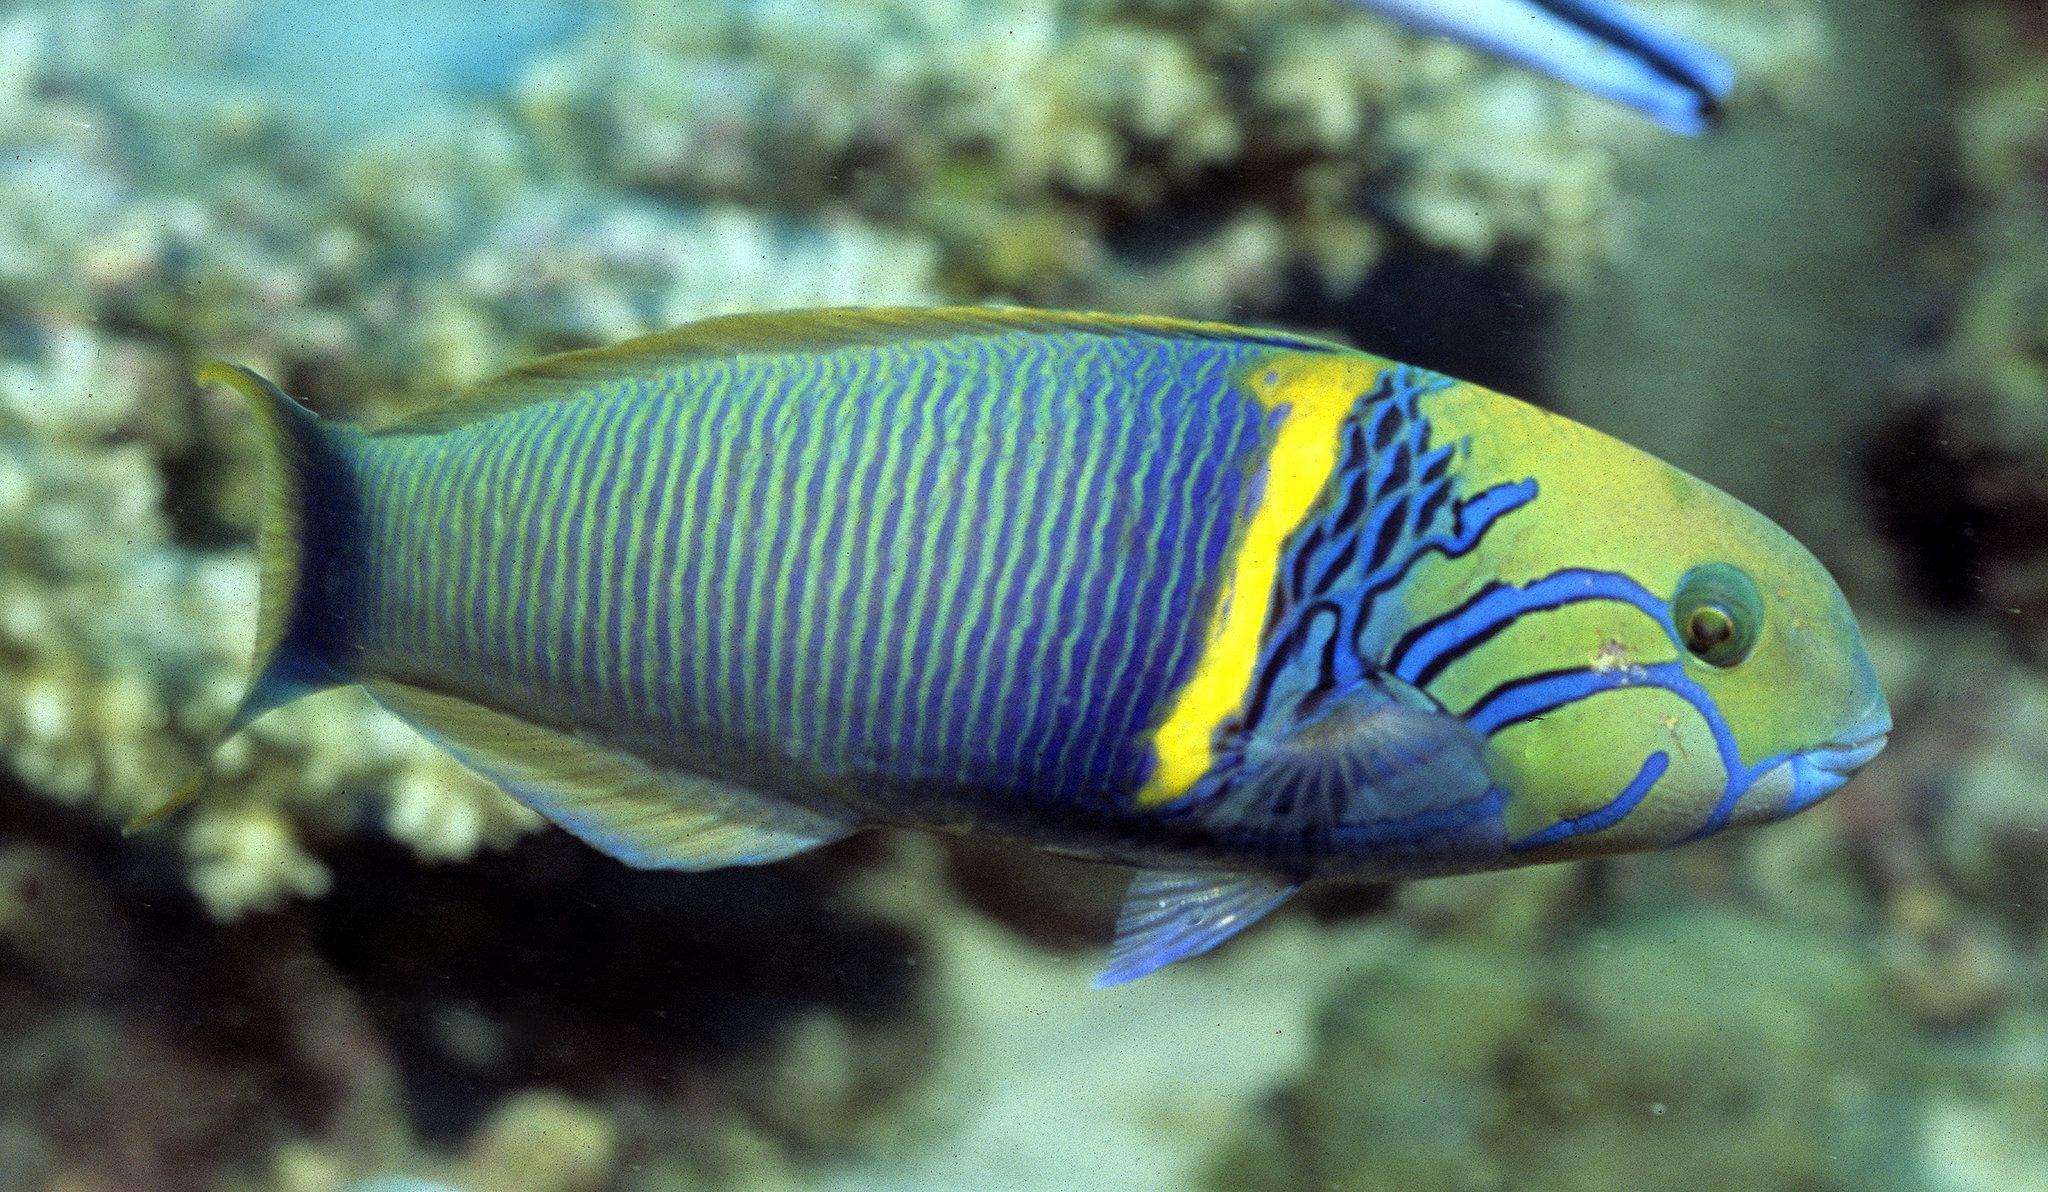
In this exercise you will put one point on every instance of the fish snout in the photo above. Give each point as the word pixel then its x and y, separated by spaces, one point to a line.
pixel 1850 753
pixel 1822 770
pixel 1811 775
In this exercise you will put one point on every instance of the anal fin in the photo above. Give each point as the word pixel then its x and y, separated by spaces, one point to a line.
pixel 1170 915
pixel 647 818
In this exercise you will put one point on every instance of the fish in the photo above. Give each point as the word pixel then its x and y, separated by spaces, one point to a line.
pixel 1597 45
pixel 1241 609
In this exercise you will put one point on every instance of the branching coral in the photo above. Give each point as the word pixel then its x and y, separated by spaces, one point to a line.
pixel 1187 152
pixel 370 281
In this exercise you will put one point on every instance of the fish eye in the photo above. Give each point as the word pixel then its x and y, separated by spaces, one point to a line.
pixel 1718 613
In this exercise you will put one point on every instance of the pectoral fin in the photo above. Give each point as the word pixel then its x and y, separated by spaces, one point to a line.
pixel 1376 767
pixel 1169 915
pixel 648 818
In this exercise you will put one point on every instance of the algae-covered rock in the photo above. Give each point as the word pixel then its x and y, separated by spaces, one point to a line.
pixel 1775 278
pixel 1962 473
pixel 1694 1050
pixel 1182 155
pixel 1992 835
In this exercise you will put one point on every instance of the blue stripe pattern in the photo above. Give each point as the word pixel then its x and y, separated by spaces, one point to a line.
pixel 983 561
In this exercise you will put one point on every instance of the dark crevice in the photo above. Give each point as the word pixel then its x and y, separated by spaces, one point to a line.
pixel 547 964
pixel 552 964
pixel 1477 321
pixel 1920 479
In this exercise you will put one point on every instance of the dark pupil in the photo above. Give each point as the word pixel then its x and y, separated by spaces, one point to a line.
pixel 1710 627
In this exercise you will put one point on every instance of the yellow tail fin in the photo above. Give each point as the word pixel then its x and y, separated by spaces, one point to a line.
pixel 293 442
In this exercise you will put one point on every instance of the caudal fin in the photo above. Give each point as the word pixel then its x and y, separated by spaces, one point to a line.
pixel 297 452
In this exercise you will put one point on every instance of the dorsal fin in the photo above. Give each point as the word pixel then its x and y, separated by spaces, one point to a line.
pixel 553 377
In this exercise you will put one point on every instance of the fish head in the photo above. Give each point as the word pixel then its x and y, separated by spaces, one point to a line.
pixel 1648 659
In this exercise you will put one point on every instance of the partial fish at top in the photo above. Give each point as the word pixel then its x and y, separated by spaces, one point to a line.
pixel 1598 45
pixel 1239 608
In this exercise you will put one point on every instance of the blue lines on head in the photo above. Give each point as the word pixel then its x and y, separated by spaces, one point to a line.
pixel 1394 505
pixel 1390 502
pixel 1431 647
pixel 1604 816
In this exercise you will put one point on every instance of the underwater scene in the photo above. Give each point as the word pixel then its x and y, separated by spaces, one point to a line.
pixel 682 595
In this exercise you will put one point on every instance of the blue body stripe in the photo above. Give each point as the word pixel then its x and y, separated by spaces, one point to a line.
pixel 966 735
pixel 914 639
pixel 912 725
pixel 640 585
pixel 763 462
pixel 599 647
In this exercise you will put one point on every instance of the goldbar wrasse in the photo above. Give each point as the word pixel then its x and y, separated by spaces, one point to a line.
pixel 1239 608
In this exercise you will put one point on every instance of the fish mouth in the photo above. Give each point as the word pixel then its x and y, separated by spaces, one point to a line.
pixel 1807 777
pixel 1843 758
pixel 1821 771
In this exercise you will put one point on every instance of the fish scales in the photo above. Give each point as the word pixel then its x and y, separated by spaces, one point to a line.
pixel 1239 608
pixel 983 492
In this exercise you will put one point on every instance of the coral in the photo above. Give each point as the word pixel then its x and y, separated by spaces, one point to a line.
pixel 103 710
pixel 1706 1049
pixel 371 282
pixel 1039 1082
pixel 108 1090
pixel 1179 155
pixel 541 1142
pixel 473 1026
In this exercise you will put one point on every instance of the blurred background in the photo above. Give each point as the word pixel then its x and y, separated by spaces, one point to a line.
pixel 356 961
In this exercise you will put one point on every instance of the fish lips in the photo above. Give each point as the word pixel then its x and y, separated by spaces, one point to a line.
pixel 1806 778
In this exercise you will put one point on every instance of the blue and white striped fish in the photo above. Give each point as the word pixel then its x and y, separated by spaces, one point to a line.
pixel 1599 45
pixel 1239 608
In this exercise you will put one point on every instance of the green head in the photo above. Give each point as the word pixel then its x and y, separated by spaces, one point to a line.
pixel 1648 659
